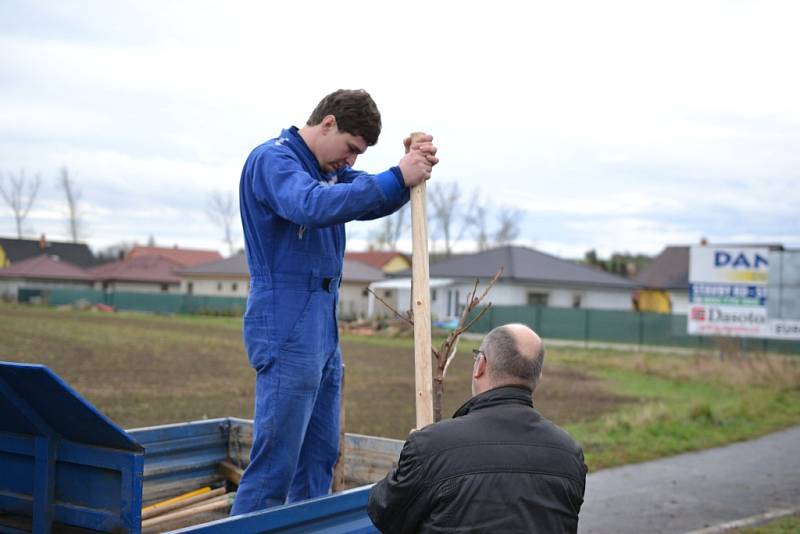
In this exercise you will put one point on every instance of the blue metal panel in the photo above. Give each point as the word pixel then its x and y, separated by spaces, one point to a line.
pixel 92 475
pixel 342 513
pixel 182 457
pixel 62 461
pixel 44 485
pixel 61 408
pixel 174 432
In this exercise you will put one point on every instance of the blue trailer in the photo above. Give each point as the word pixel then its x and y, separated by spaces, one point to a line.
pixel 64 466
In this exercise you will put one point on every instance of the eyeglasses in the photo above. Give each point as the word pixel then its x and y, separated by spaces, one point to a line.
pixel 476 354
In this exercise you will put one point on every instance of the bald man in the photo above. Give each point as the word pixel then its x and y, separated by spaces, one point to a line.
pixel 497 465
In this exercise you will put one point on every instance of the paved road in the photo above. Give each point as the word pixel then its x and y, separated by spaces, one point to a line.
pixel 695 490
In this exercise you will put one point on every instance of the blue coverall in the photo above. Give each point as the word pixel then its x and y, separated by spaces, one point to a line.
pixel 293 218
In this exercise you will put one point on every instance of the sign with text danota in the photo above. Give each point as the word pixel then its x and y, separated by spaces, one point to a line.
pixel 728 294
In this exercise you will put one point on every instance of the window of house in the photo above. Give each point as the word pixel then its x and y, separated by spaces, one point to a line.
pixel 576 300
pixel 364 292
pixel 536 298
pixel 433 296
pixel 164 288
pixel 219 286
pixel 234 286
pixel 190 287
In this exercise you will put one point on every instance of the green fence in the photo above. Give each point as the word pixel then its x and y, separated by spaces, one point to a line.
pixel 148 302
pixel 613 327
pixel 556 323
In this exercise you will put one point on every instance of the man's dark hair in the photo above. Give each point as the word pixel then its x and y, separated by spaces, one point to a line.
pixel 355 111
pixel 506 363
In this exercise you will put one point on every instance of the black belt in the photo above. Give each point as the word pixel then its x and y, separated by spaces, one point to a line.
pixel 296 281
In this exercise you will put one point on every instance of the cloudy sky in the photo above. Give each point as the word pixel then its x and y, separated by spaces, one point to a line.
pixel 618 126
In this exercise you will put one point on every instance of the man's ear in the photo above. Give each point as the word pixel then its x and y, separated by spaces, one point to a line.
pixel 479 369
pixel 328 124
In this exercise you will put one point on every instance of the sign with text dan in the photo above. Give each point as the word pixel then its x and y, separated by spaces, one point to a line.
pixel 728 294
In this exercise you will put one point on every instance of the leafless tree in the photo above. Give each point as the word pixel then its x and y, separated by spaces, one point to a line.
pixel 390 231
pixel 508 226
pixel 443 199
pixel 73 194
pixel 476 220
pixel 20 194
pixel 447 350
pixel 222 211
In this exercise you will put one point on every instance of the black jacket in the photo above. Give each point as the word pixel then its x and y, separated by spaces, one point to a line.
pixel 497 466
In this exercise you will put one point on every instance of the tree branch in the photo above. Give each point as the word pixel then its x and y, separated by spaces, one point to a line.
pixel 404 316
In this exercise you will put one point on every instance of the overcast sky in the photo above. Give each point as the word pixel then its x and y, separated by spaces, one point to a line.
pixel 618 126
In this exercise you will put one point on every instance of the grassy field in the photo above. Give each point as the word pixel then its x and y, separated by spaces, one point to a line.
pixel 785 525
pixel 145 370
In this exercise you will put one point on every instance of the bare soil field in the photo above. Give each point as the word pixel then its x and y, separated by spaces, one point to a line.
pixel 143 370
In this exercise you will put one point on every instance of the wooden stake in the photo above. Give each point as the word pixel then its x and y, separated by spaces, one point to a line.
pixel 182 497
pixel 218 503
pixel 161 509
pixel 338 469
pixel 421 305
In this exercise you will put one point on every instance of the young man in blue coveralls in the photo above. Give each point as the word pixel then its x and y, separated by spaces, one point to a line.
pixel 296 193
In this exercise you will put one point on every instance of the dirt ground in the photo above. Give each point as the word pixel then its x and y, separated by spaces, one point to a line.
pixel 147 370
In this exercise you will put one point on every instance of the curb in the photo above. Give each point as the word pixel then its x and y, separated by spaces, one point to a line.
pixel 747 521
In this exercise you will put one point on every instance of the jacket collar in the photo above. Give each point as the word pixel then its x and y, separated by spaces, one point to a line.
pixel 498 395
pixel 291 136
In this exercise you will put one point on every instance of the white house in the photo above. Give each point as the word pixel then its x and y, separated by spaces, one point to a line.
pixel 222 278
pixel 42 272
pixel 230 278
pixel 353 294
pixel 140 274
pixel 529 278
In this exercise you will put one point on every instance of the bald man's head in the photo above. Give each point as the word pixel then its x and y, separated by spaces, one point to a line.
pixel 515 356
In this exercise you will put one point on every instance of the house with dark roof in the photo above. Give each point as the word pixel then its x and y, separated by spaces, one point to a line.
pixel 16 250
pixel 43 271
pixel 230 278
pixel 530 277
pixel 140 274
pixel 227 277
pixel 185 257
pixel 388 262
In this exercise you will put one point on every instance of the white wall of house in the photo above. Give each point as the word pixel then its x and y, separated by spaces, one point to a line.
pixel 450 300
pixel 216 287
pixel 680 301
pixel 137 287
pixel 608 299
pixel 391 297
pixel 353 300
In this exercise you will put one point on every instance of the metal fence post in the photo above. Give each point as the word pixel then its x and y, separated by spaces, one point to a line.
pixel 586 328
pixel 641 329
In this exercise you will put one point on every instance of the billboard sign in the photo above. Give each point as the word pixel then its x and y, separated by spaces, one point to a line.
pixel 728 294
